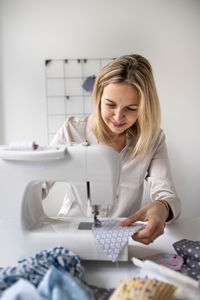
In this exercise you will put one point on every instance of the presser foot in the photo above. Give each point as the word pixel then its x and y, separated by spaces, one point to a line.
pixel 97 222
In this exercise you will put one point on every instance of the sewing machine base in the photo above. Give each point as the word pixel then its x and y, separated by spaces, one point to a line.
pixel 71 234
pixel 52 232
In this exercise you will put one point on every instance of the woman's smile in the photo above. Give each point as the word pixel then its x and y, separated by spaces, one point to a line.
pixel 118 125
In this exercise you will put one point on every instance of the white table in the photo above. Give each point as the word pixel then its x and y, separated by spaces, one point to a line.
pixel 107 274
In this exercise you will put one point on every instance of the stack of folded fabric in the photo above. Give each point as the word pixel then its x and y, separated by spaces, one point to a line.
pixel 190 251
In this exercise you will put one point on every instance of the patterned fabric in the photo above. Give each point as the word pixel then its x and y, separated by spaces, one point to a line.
pixel 139 288
pixel 112 237
pixel 34 268
pixel 190 250
pixel 171 261
pixel 59 285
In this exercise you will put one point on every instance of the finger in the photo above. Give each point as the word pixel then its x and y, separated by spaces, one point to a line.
pixel 132 219
pixel 145 241
pixel 150 232
pixel 146 232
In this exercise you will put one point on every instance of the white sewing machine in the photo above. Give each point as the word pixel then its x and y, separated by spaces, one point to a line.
pixel 24 226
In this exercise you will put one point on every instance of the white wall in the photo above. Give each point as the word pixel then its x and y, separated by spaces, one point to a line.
pixel 165 32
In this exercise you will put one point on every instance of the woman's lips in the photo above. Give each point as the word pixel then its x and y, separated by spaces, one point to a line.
pixel 118 125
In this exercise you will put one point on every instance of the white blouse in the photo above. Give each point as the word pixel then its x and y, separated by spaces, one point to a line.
pixel 154 168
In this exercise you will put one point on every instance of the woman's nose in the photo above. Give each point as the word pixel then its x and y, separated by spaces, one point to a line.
pixel 119 114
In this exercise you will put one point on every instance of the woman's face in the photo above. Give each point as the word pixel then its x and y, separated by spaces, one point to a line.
pixel 119 107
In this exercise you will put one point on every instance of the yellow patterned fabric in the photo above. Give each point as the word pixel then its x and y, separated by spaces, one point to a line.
pixel 143 289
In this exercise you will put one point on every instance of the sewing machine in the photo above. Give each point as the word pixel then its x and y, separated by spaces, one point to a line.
pixel 24 226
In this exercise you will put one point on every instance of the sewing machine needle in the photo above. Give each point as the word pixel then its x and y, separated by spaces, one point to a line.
pixel 97 222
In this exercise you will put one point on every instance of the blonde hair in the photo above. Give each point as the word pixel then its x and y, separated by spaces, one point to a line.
pixel 133 70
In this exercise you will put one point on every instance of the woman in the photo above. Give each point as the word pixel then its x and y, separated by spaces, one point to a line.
pixel 127 117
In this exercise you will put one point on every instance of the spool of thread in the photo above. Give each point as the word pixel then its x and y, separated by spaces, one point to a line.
pixel 23 146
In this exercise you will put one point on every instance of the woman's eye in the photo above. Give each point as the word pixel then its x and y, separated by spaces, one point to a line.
pixel 110 105
pixel 131 109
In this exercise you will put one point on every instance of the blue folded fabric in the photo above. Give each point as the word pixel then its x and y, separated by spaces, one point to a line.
pixel 21 290
pixel 34 268
pixel 57 285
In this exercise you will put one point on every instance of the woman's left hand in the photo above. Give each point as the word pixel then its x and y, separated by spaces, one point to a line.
pixel 156 214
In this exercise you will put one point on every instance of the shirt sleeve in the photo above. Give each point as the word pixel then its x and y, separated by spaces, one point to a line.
pixel 62 137
pixel 74 130
pixel 160 180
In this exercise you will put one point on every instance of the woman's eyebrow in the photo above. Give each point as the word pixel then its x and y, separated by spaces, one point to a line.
pixel 132 104
pixel 109 100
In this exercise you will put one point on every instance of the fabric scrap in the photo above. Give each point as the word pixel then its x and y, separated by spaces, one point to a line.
pixel 112 237
pixel 34 268
pixel 58 284
pixel 171 261
pixel 88 84
pixel 139 288
pixel 190 251
pixel 21 290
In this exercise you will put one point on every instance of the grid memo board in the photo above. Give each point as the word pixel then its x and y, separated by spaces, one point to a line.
pixel 65 94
